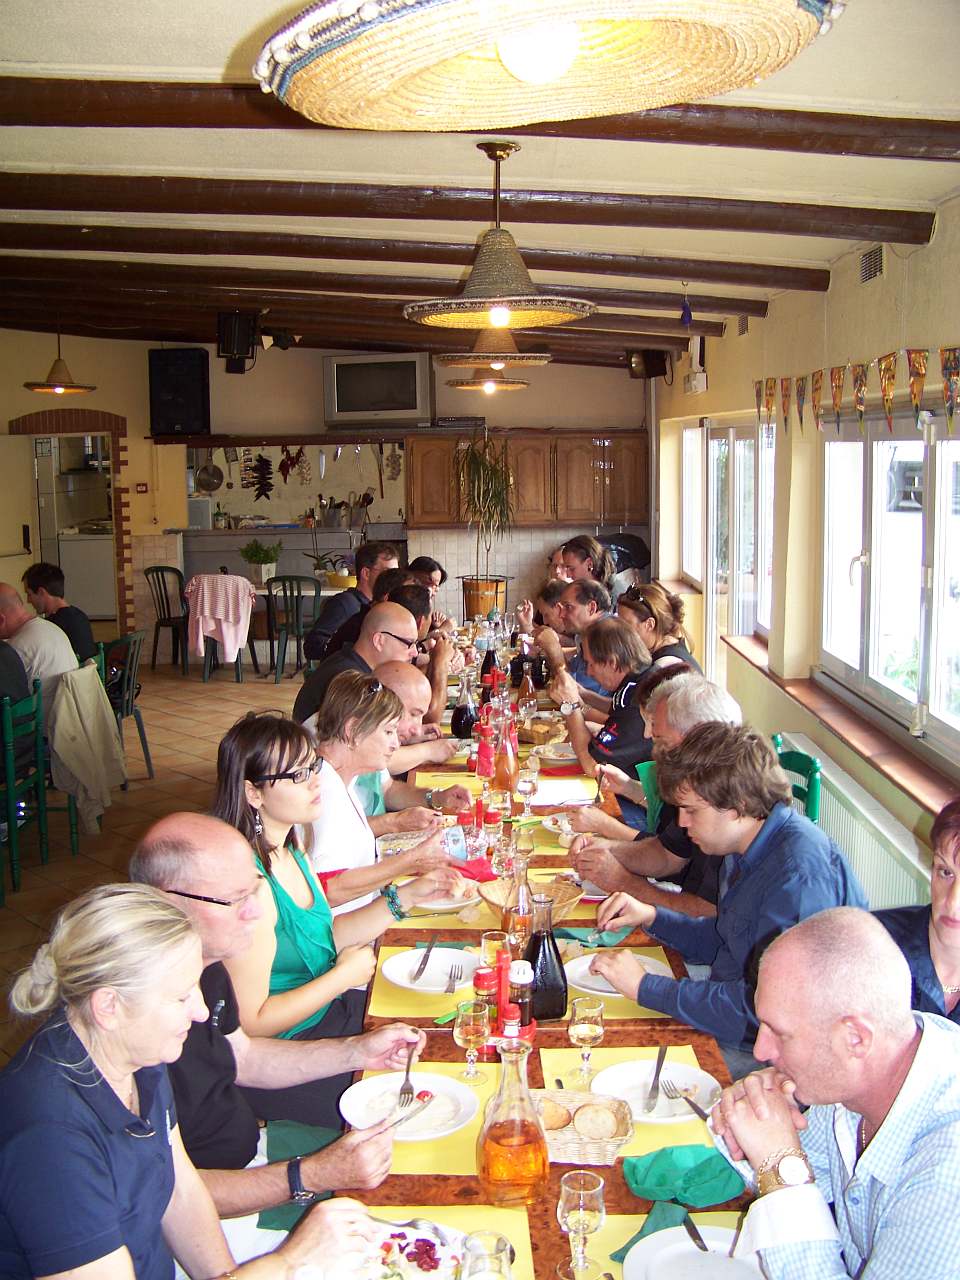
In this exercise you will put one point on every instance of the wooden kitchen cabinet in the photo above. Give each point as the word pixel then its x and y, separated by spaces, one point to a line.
pixel 626 497
pixel 531 464
pixel 577 486
pixel 431 473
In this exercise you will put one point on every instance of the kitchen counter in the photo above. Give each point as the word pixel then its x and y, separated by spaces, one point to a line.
pixel 207 550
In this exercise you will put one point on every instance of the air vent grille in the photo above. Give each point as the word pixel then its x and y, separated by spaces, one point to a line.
pixel 743 325
pixel 871 264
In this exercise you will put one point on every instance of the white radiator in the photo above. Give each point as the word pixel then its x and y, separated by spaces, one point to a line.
pixel 890 863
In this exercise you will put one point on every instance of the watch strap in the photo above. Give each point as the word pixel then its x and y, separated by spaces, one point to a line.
pixel 298 1192
pixel 768 1173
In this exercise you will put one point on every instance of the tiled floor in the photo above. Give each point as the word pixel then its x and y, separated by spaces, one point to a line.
pixel 185 720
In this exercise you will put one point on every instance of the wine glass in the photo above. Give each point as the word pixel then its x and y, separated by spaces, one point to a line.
pixel 526 786
pixel 486 1256
pixel 585 1029
pixel 470 1031
pixel 580 1212
pixel 491 944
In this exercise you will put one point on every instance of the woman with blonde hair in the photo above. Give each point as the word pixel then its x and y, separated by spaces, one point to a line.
pixel 657 616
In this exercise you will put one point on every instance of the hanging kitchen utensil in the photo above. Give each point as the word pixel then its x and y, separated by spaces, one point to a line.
pixel 209 478
pixel 378 458
pixel 322 465
pixel 356 458
pixel 337 452
pixel 231 455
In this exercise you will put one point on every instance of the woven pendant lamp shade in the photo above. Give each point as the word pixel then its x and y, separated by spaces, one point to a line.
pixel 496 348
pixel 443 64
pixel 482 380
pixel 59 381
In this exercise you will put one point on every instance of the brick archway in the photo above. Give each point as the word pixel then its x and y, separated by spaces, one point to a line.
pixel 94 422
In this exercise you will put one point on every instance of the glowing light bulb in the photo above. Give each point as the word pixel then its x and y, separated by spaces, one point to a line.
pixel 58 391
pixel 489 387
pixel 497 364
pixel 499 317
pixel 540 54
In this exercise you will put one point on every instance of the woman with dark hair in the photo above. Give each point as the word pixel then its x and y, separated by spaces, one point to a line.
pixel 584 557
pixel 929 937
pixel 657 616
pixel 431 574
pixel 296 979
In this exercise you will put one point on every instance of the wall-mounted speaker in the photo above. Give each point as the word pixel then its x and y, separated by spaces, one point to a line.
pixel 236 338
pixel 179 391
pixel 649 363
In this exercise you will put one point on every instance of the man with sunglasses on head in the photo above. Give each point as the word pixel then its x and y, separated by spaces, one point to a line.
pixel 389 634
pixel 207 869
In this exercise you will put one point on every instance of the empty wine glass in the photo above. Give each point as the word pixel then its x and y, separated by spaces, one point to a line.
pixel 471 1031
pixel 580 1212
pixel 486 1256
pixel 585 1029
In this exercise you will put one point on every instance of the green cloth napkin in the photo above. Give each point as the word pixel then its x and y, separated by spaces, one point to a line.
pixel 697 1176
pixel 663 1214
pixel 286 1139
pixel 608 938
pixel 457 946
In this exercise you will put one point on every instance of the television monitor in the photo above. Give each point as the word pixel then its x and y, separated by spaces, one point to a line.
pixel 377 388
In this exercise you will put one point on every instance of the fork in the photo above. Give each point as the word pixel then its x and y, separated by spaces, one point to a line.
pixel 453 977
pixel 406 1089
pixel 675 1094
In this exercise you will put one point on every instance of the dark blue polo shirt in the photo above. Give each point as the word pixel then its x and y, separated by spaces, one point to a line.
pixel 80 1175
pixel 910 929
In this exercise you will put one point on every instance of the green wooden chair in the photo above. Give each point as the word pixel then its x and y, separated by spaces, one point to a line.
pixel 23 722
pixel 807 768
pixel 290 612
pixel 123 668
pixel 647 773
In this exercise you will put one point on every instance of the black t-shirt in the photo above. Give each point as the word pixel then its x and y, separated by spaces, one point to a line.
pixel 333 615
pixel 621 740
pixel 680 653
pixel 315 687
pixel 218 1126
pixel 701 874
pixel 76 626
pixel 349 633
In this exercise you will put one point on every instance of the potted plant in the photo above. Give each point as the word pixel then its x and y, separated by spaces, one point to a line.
pixel 486 502
pixel 263 554
pixel 329 564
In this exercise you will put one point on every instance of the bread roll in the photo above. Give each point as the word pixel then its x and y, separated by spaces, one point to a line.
pixel 594 1120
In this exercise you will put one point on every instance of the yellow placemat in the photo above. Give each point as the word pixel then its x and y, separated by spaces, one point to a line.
pixel 457 1152
pixel 438 781
pixel 619 1227
pixel 388 1001
pixel 619 1006
pixel 646 1137
pixel 511 1223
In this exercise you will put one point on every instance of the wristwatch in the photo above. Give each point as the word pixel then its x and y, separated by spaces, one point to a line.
pixel 788 1167
pixel 298 1192
pixel 568 708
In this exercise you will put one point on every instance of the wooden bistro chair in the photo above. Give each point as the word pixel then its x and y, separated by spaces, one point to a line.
pixel 166 588
pixel 122 684
pixel 290 612
pixel 23 722
pixel 807 769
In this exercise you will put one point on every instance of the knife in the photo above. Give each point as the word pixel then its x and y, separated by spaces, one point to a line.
pixel 409 1113
pixel 653 1093
pixel 696 1108
pixel 691 1229
pixel 421 967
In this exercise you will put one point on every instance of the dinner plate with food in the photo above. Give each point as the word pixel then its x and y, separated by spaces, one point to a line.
pixel 435 978
pixel 631 1082
pixel 376 1098
pixel 558 752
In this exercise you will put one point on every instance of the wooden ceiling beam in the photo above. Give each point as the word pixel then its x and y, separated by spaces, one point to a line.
pixel 269 197
pixel 123 104
pixel 169 240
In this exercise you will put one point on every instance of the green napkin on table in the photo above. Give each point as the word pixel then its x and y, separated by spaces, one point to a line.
pixel 286 1139
pixel 607 938
pixel 697 1176
pixel 663 1214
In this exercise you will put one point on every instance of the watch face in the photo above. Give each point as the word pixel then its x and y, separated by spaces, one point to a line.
pixel 793 1171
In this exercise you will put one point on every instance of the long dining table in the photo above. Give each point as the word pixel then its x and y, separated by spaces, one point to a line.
pixel 437 1178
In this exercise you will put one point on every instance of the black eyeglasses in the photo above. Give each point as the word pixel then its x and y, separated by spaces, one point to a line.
pixel 294 775
pixel 411 644
pixel 217 902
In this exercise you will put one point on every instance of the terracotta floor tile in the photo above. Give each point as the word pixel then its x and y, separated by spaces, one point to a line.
pixel 15 931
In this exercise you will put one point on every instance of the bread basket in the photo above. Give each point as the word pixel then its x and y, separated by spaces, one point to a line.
pixel 567 1146
pixel 564 894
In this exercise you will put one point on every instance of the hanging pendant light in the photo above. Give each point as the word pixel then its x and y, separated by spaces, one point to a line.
pixel 488 381
pixel 435 65
pixel 496 349
pixel 59 381
pixel 499 293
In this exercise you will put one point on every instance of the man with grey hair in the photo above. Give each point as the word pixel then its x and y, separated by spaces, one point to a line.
pixel 44 649
pixel 866 1182
pixel 616 857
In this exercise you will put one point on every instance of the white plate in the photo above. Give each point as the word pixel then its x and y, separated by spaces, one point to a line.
pixel 431 905
pixel 672 1255
pixel 558 751
pixel 579 975
pixel 375 1098
pixel 631 1080
pixel 400 968
pixel 557 824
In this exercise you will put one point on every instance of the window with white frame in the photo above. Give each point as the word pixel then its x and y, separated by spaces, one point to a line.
pixel 890 622
pixel 766 457
pixel 730 518
pixel 692 471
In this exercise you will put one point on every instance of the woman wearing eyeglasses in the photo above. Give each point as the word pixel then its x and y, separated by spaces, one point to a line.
pixel 657 616
pixel 296 980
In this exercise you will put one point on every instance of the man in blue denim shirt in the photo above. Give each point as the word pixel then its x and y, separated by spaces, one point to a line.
pixel 734 800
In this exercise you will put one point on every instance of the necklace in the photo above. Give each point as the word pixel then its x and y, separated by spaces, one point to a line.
pixel 950 991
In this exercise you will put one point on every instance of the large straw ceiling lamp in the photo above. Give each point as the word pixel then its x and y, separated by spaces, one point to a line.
pixel 488 64
pixel 496 349
pixel 488 381
pixel 59 381
pixel 499 293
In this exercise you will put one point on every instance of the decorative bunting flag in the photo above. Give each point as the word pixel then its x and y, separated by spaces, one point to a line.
pixel 888 376
pixel 838 374
pixel 758 389
pixel 816 396
pixel 801 398
pixel 769 397
pixel 786 386
pixel 917 368
pixel 859 375
pixel 950 370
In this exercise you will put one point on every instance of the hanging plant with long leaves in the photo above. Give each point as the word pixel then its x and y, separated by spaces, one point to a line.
pixel 486 492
